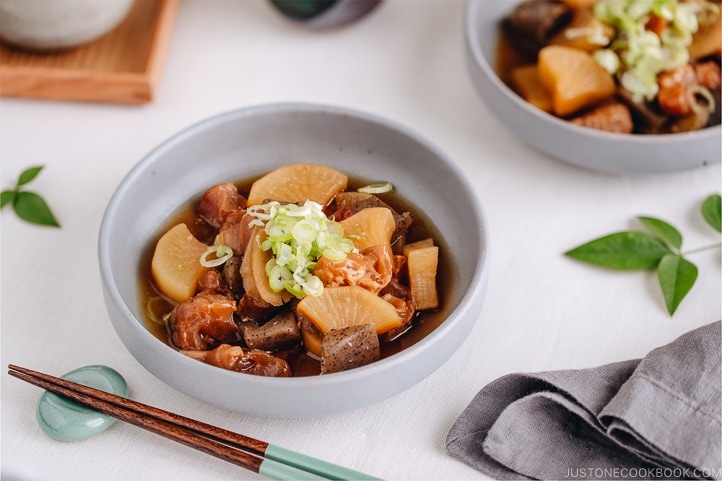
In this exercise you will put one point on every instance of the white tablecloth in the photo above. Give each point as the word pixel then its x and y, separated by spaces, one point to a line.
pixel 406 62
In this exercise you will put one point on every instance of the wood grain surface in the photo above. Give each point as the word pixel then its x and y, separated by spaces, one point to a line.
pixel 122 67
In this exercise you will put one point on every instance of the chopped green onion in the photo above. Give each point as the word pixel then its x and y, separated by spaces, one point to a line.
pixel 698 90
pixel 151 312
pixel 377 188
pixel 642 54
pixel 594 35
pixel 297 237
pixel 221 252
pixel 607 59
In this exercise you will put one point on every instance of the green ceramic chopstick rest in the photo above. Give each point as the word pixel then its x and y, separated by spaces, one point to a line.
pixel 66 420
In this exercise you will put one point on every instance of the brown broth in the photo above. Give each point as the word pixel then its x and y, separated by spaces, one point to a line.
pixel 303 364
pixel 508 58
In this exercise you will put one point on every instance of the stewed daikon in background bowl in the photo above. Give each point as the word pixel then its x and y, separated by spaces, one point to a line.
pixel 562 77
pixel 294 260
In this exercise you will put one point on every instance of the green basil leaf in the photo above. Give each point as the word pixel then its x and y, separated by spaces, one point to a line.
pixel 29 174
pixel 712 211
pixel 667 232
pixel 676 277
pixel 6 196
pixel 32 208
pixel 622 250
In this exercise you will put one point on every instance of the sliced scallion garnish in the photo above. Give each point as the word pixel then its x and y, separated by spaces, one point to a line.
pixel 221 254
pixel 377 188
pixel 298 236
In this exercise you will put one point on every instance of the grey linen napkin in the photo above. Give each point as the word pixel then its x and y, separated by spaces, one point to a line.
pixel 658 417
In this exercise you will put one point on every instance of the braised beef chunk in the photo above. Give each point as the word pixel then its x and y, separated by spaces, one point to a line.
pixel 611 116
pixel 211 281
pixel 219 201
pixel 534 22
pixel 249 309
pixel 647 117
pixel 232 275
pixel 236 231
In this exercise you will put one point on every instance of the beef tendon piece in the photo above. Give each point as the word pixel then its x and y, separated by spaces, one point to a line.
pixel 406 309
pixel 202 321
pixel 261 363
pixel 235 358
pixel 371 269
pixel 349 347
pixel 278 334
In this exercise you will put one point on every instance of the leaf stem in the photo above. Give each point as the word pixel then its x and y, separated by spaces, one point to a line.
pixel 704 248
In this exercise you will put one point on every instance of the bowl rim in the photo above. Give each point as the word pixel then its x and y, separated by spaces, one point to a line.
pixel 476 286
pixel 471 29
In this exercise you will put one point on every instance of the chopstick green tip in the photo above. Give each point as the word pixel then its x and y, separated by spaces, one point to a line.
pixel 313 465
pixel 280 472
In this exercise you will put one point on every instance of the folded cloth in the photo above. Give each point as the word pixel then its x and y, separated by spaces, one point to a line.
pixel 658 417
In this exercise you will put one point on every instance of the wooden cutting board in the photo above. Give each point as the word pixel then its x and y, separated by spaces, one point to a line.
pixel 121 67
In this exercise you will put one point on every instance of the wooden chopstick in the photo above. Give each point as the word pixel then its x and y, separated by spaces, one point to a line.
pixel 255 455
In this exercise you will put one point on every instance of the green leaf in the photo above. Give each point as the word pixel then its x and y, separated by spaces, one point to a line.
pixel 622 250
pixel 676 277
pixel 32 208
pixel 667 232
pixel 6 196
pixel 29 174
pixel 712 211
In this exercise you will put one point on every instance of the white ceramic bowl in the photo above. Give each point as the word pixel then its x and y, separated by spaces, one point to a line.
pixel 59 24
pixel 581 146
pixel 247 143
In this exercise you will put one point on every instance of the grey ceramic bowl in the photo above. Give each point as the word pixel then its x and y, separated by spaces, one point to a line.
pixel 247 143
pixel 580 146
